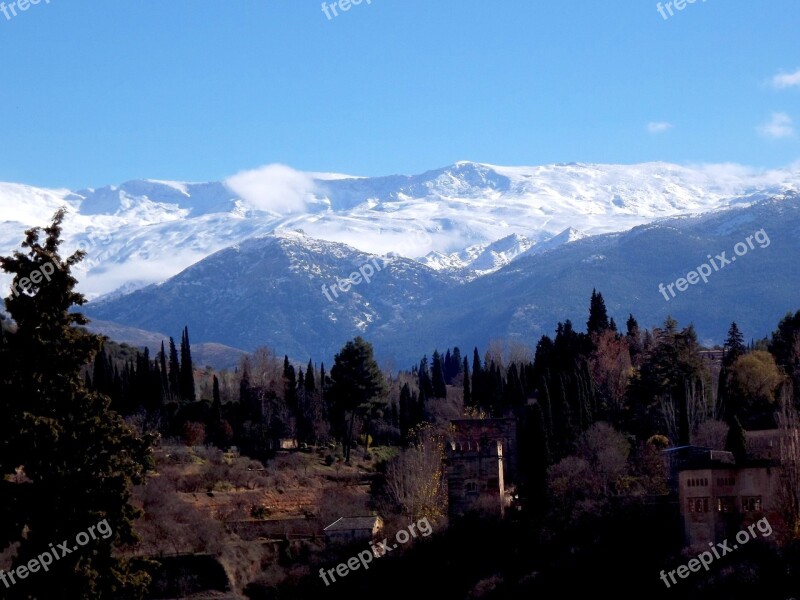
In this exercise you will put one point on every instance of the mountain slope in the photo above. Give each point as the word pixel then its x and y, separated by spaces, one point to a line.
pixel 145 231
pixel 268 291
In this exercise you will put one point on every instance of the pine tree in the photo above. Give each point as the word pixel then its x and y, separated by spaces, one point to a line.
pixel 598 317
pixel 357 381
pixel 79 457
pixel 734 346
pixel 187 392
pixel 632 326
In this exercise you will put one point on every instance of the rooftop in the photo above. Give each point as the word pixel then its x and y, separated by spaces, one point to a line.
pixel 350 523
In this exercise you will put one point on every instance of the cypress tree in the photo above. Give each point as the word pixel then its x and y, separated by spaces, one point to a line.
pixel 437 377
pixel 311 385
pixel 467 391
pixel 174 372
pixel 478 392
pixel 187 392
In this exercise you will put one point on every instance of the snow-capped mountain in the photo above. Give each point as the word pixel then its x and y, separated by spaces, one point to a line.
pixel 270 290
pixel 467 219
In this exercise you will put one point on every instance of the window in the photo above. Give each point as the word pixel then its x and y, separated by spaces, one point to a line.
pixel 470 487
pixel 751 503
pixel 725 504
pixel 698 505
pixel 726 481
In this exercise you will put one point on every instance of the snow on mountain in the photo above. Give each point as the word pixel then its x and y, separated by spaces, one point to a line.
pixel 467 219
pixel 269 290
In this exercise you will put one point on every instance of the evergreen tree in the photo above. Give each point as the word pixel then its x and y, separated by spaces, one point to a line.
pixel 734 346
pixel 736 442
pixel 425 383
pixel 289 384
pixel 187 392
pixel 174 372
pixel 632 327
pixel 456 363
pixel 467 391
pixel 478 392
pixel 598 317
pixel 311 385
pixel 357 381
pixel 216 398
pixel 437 377
pixel 162 360
pixel 406 412
pixel 79 457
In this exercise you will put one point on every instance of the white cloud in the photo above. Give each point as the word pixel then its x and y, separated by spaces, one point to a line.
pixel 274 188
pixel 786 80
pixel 658 126
pixel 780 125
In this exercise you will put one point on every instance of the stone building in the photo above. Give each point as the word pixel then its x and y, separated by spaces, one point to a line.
pixel 481 464
pixel 718 498
pixel 349 530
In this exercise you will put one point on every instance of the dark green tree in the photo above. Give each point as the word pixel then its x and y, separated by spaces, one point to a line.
pixel 736 442
pixel 467 391
pixel 174 372
pixel 357 383
pixel 311 384
pixel 79 458
pixel 437 377
pixel 187 392
pixel 734 346
pixel 598 316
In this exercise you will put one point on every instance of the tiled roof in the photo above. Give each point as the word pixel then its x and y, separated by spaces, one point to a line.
pixel 350 523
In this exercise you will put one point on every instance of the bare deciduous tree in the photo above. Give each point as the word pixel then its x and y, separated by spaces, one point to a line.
pixel 414 478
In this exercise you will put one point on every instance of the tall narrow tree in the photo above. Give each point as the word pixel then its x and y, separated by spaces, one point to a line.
pixel 187 369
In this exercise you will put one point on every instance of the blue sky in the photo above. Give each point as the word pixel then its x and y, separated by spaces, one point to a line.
pixel 94 93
